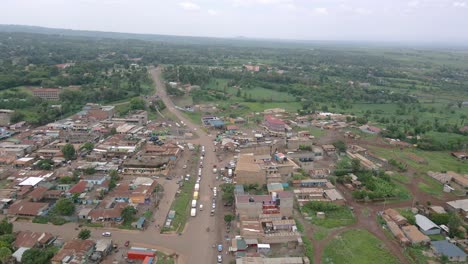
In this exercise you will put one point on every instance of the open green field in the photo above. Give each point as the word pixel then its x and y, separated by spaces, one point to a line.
pixel 314 131
pixel 255 93
pixel 342 216
pixel 436 160
pixel 431 187
pixel 357 247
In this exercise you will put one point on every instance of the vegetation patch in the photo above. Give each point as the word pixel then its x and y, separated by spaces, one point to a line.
pixel 335 215
pixel 308 249
pixel 357 247
pixel 431 187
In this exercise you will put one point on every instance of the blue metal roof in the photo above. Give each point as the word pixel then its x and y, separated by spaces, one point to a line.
pixel 448 249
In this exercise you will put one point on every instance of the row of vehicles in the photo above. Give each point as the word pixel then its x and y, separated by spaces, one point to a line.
pixel 193 210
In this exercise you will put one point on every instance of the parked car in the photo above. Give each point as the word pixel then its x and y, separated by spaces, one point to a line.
pixel 106 234
pixel 220 259
pixel 184 167
pixel 220 247
pixel 168 178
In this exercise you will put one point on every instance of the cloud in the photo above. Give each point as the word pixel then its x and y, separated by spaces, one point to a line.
pixel 413 3
pixel 259 2
pixel 363 11
pixel 321 11
pixel 460 4
pixel 213 12
pixel 189 6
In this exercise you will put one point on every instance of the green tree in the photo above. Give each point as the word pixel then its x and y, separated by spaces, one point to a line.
pixel 228 218
pixel 84 234
pixel 45 164
pixel 355 165
pixel 87 146
pixel 340 145
pixel 9 238
pixel 128 214
pixel 6 227
pixel 64 206
pixel 5 253
pixel 228 192
pixel 36 256
pixel 17 117
pixel 69 152
pixel 137 104
pixel 453 224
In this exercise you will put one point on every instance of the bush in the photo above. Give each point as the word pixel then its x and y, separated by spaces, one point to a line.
pixel 322 206
pixel 40 220
pixel 58 220
pixel 309 250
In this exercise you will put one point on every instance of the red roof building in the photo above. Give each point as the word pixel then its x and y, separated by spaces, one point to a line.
pixel 37 194
pixel 274 124
pixel 27 208
pixel 80 187
pixel 31 239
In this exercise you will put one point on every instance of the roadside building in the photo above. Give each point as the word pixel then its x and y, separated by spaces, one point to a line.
pixel 252 206
pixel 414 235
pixel 5 116
pixel 396 217
pixel 47 93
pixel 460 206
pixel 426 226
pixel 25 208
pixel 31 239
pixel 445 248
pixel 74 251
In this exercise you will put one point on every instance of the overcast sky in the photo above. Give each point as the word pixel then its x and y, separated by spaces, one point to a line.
pixel 375 20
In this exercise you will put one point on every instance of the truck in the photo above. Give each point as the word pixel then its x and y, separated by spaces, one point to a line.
pixel 193 212
pixel 197 187
pixel 140 254
pixel 194 203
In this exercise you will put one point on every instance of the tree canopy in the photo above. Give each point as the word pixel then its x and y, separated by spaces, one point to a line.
pixel 69 152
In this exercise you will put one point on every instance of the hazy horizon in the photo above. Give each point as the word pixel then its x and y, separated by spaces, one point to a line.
pixel 399 21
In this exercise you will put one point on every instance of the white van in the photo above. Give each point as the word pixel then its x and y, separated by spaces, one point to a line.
pixel 197 186
pixel 193 212
pixel 201 207
pixel 194 203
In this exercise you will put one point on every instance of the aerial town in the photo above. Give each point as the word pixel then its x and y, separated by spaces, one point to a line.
pixel 177 151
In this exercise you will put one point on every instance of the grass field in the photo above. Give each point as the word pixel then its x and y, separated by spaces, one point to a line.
pixel 320 233
pixel 437 160
pixel 431 187
pixel 357 247
pixel 164 259
pixel 401 178
pixel 336 218
pixel 255 93
pixel 314 131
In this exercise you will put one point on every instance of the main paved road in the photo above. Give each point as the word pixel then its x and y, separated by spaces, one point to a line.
pixel 194 244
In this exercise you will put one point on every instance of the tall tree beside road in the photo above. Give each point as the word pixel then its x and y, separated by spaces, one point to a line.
pixel 5 253
pixel 64 206
pixel 5 227
pixel 36 256
pixel 128 214
pixel 69 152
pixel 84 234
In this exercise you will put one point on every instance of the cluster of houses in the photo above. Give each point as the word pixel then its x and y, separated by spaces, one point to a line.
pixel 418 234
pixel 73 251
pixel 35 174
